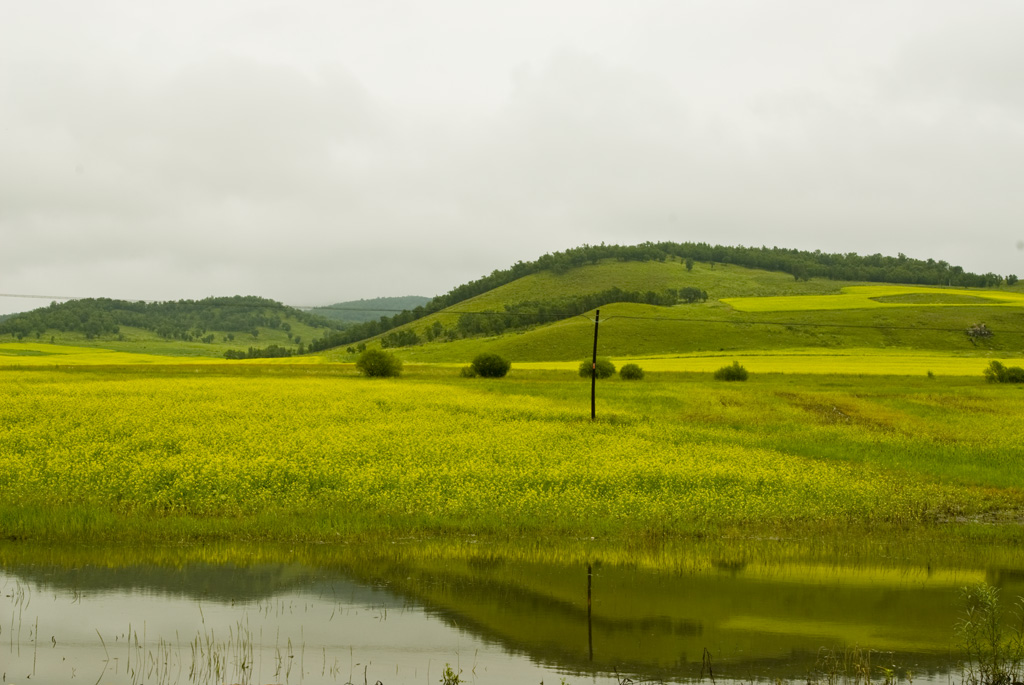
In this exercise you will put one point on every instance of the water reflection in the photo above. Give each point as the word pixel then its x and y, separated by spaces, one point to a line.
pixel 329 630
pixel 355 615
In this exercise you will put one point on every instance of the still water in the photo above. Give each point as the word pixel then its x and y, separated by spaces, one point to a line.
pixel 188 617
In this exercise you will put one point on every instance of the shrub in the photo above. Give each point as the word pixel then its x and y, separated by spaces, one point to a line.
pixel 733 372
pixel 997 373
pixel 467 372
pixel 490 365
pixel 631 372
pixel 605 368
pixel 994 652
pixel 376 363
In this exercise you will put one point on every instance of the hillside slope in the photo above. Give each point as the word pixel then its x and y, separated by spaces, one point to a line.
pixel 633 329
pixel 208 327
pixel 800 264
pixel 719 280
pixel 547 287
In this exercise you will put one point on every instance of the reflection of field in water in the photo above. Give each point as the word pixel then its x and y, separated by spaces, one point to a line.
pixel 346 615
pixel 332 632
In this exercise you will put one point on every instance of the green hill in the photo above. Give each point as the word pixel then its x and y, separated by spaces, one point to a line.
pixel 208 327
pixel 638 329
pixel 800 265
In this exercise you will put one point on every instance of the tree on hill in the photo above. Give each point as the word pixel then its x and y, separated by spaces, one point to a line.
pixel 403 338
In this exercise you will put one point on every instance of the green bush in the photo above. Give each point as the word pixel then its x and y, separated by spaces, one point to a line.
pixel 490 365
pixel 376 363
pixel 997 373
pixel 994 651
pixel 467 372
pixel 605 368
pixel 631 372
pixel 733 372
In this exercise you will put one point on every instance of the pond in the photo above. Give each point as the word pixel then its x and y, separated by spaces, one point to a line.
pixel 353 615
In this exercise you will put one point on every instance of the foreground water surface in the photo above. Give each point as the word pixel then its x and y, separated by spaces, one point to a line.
pixel 355 616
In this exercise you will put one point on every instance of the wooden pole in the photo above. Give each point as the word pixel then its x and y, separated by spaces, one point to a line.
pixel 593 370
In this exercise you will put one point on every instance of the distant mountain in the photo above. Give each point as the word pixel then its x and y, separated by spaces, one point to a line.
pixel 185 320
pixel 361 311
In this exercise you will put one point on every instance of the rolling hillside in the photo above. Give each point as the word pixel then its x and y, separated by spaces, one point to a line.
pixel 905 317
pixel 800 264
pixel 654 300
pixel 202 328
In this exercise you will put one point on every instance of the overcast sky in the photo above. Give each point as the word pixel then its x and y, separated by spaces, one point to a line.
pixel 314 152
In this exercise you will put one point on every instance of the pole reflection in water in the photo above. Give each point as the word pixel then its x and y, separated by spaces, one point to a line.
pixel 590 622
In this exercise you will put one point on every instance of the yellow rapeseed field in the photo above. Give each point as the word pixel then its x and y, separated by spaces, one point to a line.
pixel 856 361
pixel 433 454
pixel 872 297
pixel 43 354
